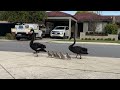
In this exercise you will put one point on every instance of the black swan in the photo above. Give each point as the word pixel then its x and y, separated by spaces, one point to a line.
pixel 36 46
pixel 77 49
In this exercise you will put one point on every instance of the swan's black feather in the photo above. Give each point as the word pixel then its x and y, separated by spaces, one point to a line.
pixel 36 46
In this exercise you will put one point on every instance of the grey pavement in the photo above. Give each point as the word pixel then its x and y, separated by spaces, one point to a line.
pixel 23 65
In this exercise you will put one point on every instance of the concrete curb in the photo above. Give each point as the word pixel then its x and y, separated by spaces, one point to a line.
pixel 86 43
pixel 98 43
pixel 45 54
pixel 6 40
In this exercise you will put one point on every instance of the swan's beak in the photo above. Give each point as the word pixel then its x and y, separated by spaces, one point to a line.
pixel 31 32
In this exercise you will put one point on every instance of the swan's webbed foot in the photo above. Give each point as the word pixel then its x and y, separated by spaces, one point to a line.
pixel 80 56
pixel 76 55
pixel 34 52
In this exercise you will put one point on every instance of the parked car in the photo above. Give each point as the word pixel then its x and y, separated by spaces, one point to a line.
pixel 60 31
pixel 23 31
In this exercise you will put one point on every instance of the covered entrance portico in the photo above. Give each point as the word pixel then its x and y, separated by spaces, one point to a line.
pixel 64 21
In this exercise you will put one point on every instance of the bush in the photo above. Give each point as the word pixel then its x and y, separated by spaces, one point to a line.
pixel 93 39
pixel 87 33
pixel 90 33
pixel 101 39
pixel 108 39
pixel 10 36
pixel 98 39
pixel 89 38
pixel 105 39
pixel 86 39
pixel 113 39
pixel 82 38
pixel 111 29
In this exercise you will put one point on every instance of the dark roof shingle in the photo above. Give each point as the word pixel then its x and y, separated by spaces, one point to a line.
pixel 91 17
pixel 81 17
pixel 59 14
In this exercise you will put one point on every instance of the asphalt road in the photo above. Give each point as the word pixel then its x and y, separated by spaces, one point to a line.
pixel 93 50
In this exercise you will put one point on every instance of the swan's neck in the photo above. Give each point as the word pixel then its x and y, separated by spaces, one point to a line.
pixel 31 42
pixel 74 42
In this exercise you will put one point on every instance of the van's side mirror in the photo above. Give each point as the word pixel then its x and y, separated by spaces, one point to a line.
pixel 67 28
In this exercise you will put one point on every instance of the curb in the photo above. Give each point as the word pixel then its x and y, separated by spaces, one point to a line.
pixel 86 43
pixel 6 40
pixel 45 54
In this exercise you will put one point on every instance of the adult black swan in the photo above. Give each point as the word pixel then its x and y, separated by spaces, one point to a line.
pixel 36 46
pixel 77 49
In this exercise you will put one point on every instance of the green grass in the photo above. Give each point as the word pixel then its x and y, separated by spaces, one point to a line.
pixel 102 41
pixel 2 37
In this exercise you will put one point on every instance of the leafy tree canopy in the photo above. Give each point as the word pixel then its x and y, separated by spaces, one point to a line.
pixel 96 12
pixel 23 16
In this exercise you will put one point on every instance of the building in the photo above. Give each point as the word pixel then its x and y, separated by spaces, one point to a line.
pixel 80 21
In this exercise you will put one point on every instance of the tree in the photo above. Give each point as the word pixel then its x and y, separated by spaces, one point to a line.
pixel 97 12
pixel 82 12
pixel 111 28
pixel 23 16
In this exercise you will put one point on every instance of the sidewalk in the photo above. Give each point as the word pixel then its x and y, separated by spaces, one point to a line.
pixel 20 65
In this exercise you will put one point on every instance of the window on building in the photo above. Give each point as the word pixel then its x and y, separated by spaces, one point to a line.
pixel 92 26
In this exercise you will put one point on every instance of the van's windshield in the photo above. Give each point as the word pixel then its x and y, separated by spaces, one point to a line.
pixel 20 27
pixel 59 27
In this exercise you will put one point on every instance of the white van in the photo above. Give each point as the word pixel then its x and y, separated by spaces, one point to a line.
pixel 23 31
pixel 60 31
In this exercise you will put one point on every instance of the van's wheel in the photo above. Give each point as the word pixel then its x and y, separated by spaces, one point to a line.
pixel 41 37
pixel 17 38
pixel 64 36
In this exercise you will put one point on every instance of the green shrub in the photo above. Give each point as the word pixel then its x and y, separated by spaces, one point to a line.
pixel 82 38
pixel 93 39
pixel 89 38
pixel 105 39
pixel 111 28
pixel 87 33
pixel 101 39
pixel 98 39
pixel 109 39
pixel 10 36
pixel 113 39
pixel 86 39
pixel 91 33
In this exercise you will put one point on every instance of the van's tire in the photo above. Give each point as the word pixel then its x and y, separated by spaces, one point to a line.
pixel 64 37
pixel 18 38
pixel 40 37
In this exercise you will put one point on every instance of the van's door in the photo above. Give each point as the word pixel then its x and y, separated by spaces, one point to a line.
pixel 66 31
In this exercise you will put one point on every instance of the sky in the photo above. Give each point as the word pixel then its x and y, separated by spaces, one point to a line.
pixel 103 12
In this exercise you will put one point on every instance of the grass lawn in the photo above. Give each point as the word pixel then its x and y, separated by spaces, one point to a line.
pixel 2 37
pixel 102 41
